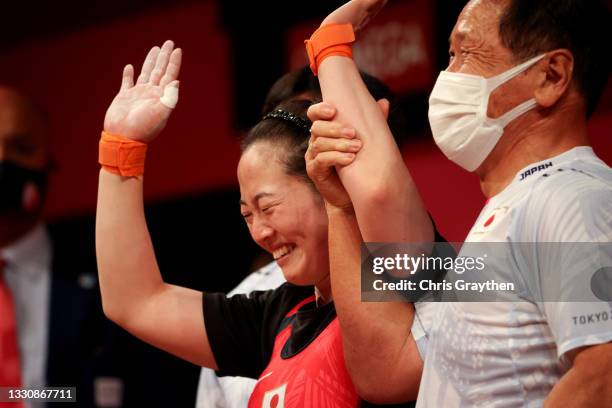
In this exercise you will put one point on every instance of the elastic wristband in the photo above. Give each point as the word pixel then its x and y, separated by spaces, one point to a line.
pixel 332 39
pixel 122 156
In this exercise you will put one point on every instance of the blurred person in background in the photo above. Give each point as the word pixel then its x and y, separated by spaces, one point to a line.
pixel 52 325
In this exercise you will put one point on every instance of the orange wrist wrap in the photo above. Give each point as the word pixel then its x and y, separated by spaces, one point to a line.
pixel 122 156
pixel 332 39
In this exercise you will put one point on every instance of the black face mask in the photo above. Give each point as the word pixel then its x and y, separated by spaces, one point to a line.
pixel 14 182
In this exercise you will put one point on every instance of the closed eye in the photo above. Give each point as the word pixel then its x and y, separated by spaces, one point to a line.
pixel 268 209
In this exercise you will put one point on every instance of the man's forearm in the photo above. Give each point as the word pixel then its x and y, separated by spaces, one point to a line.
pixel 588 384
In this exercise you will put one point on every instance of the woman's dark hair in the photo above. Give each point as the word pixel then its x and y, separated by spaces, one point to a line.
pixel 529 28
pixel 302 84
pixel 287 127
pixel 297 84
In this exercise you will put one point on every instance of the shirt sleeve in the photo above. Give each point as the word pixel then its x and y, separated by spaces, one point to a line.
pixel 234 326
pixel 573 257
pixel 241 329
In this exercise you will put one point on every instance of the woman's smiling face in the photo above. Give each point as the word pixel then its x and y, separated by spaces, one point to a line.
pixel 285 216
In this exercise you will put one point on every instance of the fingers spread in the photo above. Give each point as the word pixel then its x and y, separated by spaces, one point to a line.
pixel 161 63
pixel 173 69
pixel 321 111
pixel 147 66
pixel 128 77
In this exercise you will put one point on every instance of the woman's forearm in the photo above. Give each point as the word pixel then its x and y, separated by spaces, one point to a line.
pixel 126 260
pixel 133 292
pixel 386 201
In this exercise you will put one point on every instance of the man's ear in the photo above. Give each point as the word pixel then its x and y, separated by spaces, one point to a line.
pixel 384 107
pixel 555 76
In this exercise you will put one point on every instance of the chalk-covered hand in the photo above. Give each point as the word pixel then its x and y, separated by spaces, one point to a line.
pixel 140 111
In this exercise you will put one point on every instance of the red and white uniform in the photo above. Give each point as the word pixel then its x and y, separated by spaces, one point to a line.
pixel 314 377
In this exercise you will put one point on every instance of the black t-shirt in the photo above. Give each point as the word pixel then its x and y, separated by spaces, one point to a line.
pixel 241 329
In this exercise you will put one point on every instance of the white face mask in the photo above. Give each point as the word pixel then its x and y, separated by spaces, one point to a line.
pixel 458 114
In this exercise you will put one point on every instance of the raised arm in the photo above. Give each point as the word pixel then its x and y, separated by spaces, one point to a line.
pixel 386 201
pixel 133 292
pixel 372 199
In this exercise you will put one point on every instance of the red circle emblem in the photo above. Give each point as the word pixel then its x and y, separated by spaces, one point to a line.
pixel 489 221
